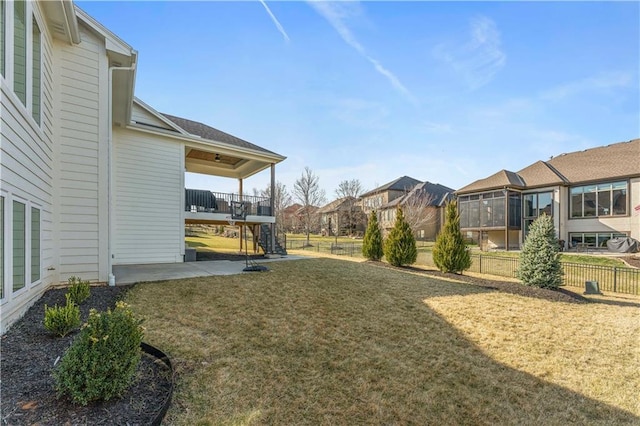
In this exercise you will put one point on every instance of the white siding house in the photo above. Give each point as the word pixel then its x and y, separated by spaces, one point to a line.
pixel 89 176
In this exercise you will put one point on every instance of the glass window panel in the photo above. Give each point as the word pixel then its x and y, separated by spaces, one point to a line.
pixel 36 67
pixel 589 201
pixel 530 205
pixel 575 239
pixel 486 206
pixel 35 244
pixel 515 209
pixel 498 212
pixel 474 213
pixel 604 187
pixel 590 239
pixel 464 215
pixel 604 201
pixel 602 239
pixel 19 245
pixel 545 203
pixel 619 201
pixel 619 185
pixel 20 50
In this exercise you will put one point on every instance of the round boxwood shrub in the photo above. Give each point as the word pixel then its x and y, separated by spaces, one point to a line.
pixel 102 361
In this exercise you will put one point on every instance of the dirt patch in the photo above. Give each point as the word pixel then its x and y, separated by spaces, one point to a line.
pixel 27 360
pixel 560 295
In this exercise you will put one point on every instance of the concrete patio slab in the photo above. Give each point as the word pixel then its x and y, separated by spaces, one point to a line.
pixel 131 274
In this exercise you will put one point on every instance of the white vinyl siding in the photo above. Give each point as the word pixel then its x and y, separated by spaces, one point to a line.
pixel 148 198
pixel 79 154
pixel 26 177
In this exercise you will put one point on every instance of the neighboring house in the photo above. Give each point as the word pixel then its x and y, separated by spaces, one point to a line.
pixel 376 198
pixel 343 216
pixel 290 219
pixel 90 176
pixel 592 195
pixel 423 209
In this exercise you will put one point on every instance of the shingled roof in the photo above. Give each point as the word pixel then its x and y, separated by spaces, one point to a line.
pixel 213 134
pixel 438 195
pixel 615 161
pixel 334 205
pixel 504 178
pixel 404 183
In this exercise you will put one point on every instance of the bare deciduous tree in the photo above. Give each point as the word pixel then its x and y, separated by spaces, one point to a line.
pixel 351 189
pixel 307 191
pixel 416 209
pixel 281 200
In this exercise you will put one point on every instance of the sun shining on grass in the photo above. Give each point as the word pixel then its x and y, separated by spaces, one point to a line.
pixel 325 341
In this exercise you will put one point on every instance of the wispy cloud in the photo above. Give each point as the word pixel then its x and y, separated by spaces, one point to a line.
pixel 337 14
pixel 478 59
pixel 360 113
pixel 601 83
pixel 275 21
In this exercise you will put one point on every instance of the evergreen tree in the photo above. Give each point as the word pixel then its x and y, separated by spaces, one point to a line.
pixel 400 247
pixel 372 243
pixel 540 258
pixel 450 252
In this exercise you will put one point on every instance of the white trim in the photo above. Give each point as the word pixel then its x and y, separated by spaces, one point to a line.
pixel 5 258
pixel 159 116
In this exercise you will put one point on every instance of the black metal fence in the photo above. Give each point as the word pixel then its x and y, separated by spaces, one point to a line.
pixel 615 279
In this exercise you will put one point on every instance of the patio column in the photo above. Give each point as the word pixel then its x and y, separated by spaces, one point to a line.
pixel 272 204
pixel 241 226
pixel 506 219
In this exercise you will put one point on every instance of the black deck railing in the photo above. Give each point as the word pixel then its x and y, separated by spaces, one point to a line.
pixel 203 201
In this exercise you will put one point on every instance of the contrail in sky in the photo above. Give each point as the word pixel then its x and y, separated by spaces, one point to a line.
pixel 275 21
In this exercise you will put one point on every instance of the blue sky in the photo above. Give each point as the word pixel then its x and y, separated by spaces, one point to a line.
pixel 448 92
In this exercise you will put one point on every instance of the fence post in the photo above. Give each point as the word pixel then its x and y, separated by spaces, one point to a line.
pixel 480 256
pixel 615 278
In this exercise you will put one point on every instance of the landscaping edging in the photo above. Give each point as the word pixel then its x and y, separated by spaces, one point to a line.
pixel 160 356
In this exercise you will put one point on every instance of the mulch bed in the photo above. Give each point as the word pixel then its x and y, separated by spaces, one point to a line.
pixel 27 359
pixel 560 295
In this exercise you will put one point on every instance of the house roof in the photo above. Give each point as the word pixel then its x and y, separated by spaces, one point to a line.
pixel 404 183
pixel 335 205
pixel 606 162
pixel 207 132
pixel 504 178
pixel 438 195
pixel 618 160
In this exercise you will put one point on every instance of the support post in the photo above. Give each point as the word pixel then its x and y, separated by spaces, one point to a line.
pixel 241 227
pixel 272 204
pixel 506 219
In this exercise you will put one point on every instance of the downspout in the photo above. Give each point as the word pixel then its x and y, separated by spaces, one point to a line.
pixel 112 278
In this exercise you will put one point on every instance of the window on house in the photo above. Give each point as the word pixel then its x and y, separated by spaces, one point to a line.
pixel 606 199
pixel 20 50
pixel 35 244
pixel 19 245
pixel 592 239
pixel 36 74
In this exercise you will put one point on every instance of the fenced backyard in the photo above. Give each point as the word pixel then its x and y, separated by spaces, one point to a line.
pixel 614 279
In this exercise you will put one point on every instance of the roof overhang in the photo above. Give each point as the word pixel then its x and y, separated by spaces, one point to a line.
pixel 122 68
pixel 200 155
pixel 61 19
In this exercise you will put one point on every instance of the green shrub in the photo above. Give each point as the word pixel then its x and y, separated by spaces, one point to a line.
pixel 102 361
pixel 372 243
pixel 450 253
pixel 79 290
pixel 400 247
pixel 60 320
pixel 540 258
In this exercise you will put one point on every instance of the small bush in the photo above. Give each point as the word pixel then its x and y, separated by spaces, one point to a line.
pixel 400 247
pixel 450 253
pixel 79 290
pixel 60 320
pixel 372 243
pixel 102 362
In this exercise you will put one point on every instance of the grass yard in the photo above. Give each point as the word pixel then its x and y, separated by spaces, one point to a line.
pixel 324 341
pixel 210 242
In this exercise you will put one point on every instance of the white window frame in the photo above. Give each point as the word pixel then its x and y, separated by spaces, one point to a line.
pixel 8 78
pixel 9 198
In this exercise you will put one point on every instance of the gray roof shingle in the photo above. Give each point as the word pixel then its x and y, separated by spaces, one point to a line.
pixel 404 183
pixel 213 134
